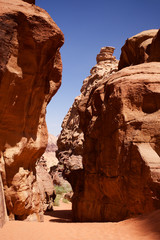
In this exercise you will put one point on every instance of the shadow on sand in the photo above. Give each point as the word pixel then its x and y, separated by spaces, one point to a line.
pixel 62 216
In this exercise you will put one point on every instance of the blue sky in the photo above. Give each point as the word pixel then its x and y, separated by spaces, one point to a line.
pixel 89 25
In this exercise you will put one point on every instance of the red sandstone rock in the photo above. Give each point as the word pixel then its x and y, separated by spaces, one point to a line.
pixel 45 177
pixel 136 49
pixel 30 74
pixel 70 141
pixel 121 146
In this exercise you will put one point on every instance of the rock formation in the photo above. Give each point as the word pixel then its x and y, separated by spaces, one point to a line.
pixel 30 74
pixel 137 49
pixel 70 141
pixel 45 176
pixel 154 55
pixel 46 186
pixel 49 157
pixel 121 148
pixel 118 115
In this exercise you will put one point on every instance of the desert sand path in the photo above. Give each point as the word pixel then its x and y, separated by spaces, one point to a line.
pixel 58 226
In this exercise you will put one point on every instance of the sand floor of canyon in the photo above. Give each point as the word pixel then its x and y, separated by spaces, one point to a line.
pixel 58 226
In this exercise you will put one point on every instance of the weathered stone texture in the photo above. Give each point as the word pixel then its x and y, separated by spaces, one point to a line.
pixel 70 141
pixel 117 114
pixel 30 74
pixel 121 146
pixel 137 49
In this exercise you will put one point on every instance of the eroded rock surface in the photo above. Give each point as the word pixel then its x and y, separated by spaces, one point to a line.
pixel 137 49
pixel 45 174
pixel 121 146
pixel 30 74
pixel 48 160
pixel 117 114
pixel 70 141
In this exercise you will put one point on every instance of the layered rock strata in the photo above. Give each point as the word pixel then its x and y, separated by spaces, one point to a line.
pixel 30 74
pixel 117 116
pixel 45 175
pixel 121 155
pixel 70 141
pixel 121 146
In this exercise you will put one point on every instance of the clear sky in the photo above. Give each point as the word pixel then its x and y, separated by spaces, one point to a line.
pixel 89 25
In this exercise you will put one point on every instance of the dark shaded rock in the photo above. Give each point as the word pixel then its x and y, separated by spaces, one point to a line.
pixel 136 49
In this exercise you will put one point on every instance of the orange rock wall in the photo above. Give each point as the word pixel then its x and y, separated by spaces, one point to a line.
pixel 119 117
pixel 121 146
pixel 30 74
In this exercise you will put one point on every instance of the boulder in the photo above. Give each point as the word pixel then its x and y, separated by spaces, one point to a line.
pixel 30 74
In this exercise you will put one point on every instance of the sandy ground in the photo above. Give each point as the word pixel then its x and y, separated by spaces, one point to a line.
pixel 58 226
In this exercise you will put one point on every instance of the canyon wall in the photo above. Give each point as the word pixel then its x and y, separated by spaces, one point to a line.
pixel 119 120
pixel 30 74
pixel 70 141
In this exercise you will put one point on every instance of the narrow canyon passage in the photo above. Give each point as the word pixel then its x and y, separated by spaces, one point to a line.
pixel 109 146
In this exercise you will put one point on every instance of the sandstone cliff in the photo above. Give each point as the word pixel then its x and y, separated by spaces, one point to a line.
pixel 119 121
pixel 121 148
pixel 70 141
pixel 30 74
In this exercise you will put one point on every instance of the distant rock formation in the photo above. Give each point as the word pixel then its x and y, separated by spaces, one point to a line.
pixel 30 74
pixel 70 141
pixel 45 177
pixel 48 159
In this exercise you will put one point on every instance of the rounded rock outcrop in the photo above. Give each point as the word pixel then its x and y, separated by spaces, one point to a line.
pixel 30 74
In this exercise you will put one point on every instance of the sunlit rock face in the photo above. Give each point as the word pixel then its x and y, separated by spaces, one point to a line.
pixel 30 74
pixel 70 141
pixel 121 146
pixel 121 127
